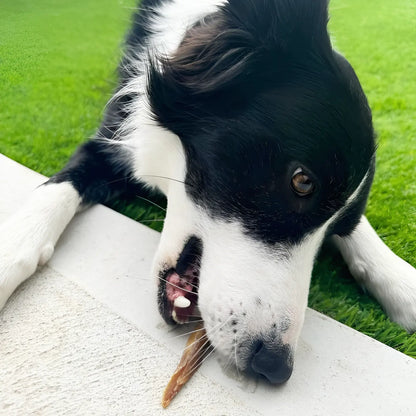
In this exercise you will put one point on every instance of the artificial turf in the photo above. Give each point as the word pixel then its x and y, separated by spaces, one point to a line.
pixel 57 70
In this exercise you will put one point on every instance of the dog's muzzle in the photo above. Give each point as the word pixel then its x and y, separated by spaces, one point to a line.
pixel 262 357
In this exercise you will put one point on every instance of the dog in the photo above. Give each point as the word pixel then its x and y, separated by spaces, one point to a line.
pixel 259 135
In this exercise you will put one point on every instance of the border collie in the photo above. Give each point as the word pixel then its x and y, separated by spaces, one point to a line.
pixel 260 137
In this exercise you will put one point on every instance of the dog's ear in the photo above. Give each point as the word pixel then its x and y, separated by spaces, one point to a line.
pixel 212 55
pixel 234 52
pixel 288 25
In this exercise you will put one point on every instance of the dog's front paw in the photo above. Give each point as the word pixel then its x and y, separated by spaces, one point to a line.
pixel 386 276
pixel 28 238
pixel 21 251
pixel 392 281
pixel 400 297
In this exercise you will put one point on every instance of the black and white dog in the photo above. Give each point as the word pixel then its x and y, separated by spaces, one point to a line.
pixel 261 138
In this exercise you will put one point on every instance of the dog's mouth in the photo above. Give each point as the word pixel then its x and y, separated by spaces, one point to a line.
pixel 178 287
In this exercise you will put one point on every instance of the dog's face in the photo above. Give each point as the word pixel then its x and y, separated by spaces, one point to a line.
pixel 272 160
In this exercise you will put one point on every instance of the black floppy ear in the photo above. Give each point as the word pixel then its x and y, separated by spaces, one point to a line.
pixel 213 55
pixel 284 24
pixel 232 54
pixel 213 58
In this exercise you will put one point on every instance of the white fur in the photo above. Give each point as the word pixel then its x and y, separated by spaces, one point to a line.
pixel 28 237
pixel 386 276
pixel 254 284
pixel 140 133
pixel 158 156
pixel 174 19
pixel 248 270
pixel 182 216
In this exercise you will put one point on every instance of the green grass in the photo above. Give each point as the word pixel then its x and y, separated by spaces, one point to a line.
pixel 57 61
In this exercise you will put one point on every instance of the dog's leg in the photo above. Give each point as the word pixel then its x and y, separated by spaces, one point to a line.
pixel 28 238
pixel 386 276
pixel 96 172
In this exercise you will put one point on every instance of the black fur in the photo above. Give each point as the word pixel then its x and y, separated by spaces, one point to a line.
pixel 254 92
pixel 99 173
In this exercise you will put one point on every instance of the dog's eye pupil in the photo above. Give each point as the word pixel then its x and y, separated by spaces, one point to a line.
pixel 302 183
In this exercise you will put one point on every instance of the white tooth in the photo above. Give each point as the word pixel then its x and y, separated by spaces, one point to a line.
pixel 181 302
pixel 175 317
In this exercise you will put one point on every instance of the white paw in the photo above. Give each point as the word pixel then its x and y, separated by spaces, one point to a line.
pixel 386 276
pixel 400 299
pixel 393 283
pixel 46 253
pixel 21 251
pixel 27 239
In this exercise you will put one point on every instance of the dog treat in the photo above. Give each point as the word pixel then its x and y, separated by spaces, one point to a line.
pixel 192 357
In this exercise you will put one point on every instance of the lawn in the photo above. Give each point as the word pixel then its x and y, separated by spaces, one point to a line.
pixel 57 62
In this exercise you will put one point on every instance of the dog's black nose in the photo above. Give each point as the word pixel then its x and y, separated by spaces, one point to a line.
pixel 276 364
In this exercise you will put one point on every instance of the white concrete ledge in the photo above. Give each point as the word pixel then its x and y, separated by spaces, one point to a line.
pixel 84 337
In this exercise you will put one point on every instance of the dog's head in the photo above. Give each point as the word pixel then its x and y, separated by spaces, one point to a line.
pixel 275 150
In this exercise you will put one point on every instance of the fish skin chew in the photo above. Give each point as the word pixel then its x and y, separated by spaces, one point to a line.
pixel 192 357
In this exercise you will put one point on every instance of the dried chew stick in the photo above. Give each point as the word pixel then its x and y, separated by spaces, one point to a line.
pixel 191 359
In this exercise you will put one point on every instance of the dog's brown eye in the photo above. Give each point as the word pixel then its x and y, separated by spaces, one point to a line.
pixel 302 183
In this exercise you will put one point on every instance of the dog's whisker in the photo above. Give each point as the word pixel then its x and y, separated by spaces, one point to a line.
pixel 185 334
pixel 197 341
pixel 193 321
pixel 193 285
pixel 178 287
pixel 203 346
pixel 166 177
pixel 236 355
pixel 221 325
pixel 204 356
pixel 230 361
pixel 151 202
pixel 185 290
pixel 214 330
pixel 201 359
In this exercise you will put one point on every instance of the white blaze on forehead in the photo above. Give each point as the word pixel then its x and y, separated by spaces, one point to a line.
pixel 174 19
